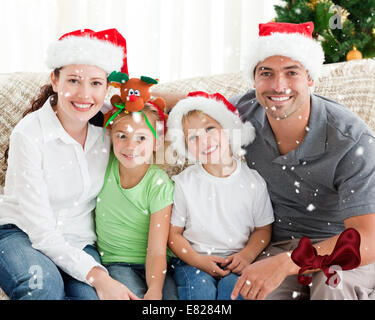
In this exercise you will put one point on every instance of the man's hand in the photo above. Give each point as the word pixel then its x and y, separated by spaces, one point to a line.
pixel 170 97
pixel 260 278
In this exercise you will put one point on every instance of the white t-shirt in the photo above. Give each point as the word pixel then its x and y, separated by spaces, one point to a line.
pixel 51 188
pixel 219 214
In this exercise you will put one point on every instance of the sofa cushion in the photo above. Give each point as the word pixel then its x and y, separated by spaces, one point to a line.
pixel 353 85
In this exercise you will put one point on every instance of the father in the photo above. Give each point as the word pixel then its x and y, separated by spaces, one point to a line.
pixel 318 160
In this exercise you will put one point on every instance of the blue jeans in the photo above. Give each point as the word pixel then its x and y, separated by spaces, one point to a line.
pixel 195 284
pixel 28 274
pixel 134 277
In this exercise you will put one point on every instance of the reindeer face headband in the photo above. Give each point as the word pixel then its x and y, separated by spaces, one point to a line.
pixel 134 93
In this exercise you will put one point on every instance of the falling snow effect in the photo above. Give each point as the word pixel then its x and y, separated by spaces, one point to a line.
pixel 295 294
pixel 136 117
pixel 129 128
pixel 359 151
pixel 310 207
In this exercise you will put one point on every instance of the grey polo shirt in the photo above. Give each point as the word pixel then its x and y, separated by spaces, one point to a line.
pixel 328 178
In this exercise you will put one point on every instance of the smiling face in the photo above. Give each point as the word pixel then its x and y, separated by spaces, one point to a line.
pixel 205 139
pixel 133 141
pixel 282 86
pixel 80 91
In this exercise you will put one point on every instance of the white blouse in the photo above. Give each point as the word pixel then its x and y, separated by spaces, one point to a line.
pixel 51 187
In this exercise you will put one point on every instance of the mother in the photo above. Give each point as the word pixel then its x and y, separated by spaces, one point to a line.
pixel 56 167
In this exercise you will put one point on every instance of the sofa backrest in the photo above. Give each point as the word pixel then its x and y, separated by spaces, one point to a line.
pixel 350 83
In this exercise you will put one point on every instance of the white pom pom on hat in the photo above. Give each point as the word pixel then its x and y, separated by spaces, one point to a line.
pixel 289 40
pixel 217 107
pixel 105 49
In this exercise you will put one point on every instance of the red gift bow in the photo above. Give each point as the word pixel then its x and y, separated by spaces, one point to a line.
pixel 346 254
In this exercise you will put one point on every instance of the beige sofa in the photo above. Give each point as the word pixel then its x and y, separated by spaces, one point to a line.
pixel 350 83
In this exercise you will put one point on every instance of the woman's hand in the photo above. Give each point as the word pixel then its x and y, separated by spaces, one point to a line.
pixel 108 288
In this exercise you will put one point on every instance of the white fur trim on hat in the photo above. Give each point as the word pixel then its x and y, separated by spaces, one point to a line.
pixel 297 47
pixel 85 50
pixel 230 121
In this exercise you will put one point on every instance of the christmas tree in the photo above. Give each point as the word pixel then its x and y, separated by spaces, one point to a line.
pixel 340 25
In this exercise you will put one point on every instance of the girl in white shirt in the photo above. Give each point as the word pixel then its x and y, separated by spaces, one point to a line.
pixel 222 213
pixel 56 167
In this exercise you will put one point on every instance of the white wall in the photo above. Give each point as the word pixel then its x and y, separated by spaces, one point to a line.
pixel 167 39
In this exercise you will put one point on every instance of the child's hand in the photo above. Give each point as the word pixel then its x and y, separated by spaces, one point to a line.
pixel 209 264
pixel 235 263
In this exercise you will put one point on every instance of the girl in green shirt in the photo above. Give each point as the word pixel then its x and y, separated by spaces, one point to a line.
pixel 134 207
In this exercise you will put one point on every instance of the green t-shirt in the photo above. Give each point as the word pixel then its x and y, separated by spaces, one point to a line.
pixel 123 215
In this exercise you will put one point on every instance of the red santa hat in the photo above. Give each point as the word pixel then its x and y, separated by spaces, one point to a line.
pixel 217 107
pixel 289 40
pixel 105 49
